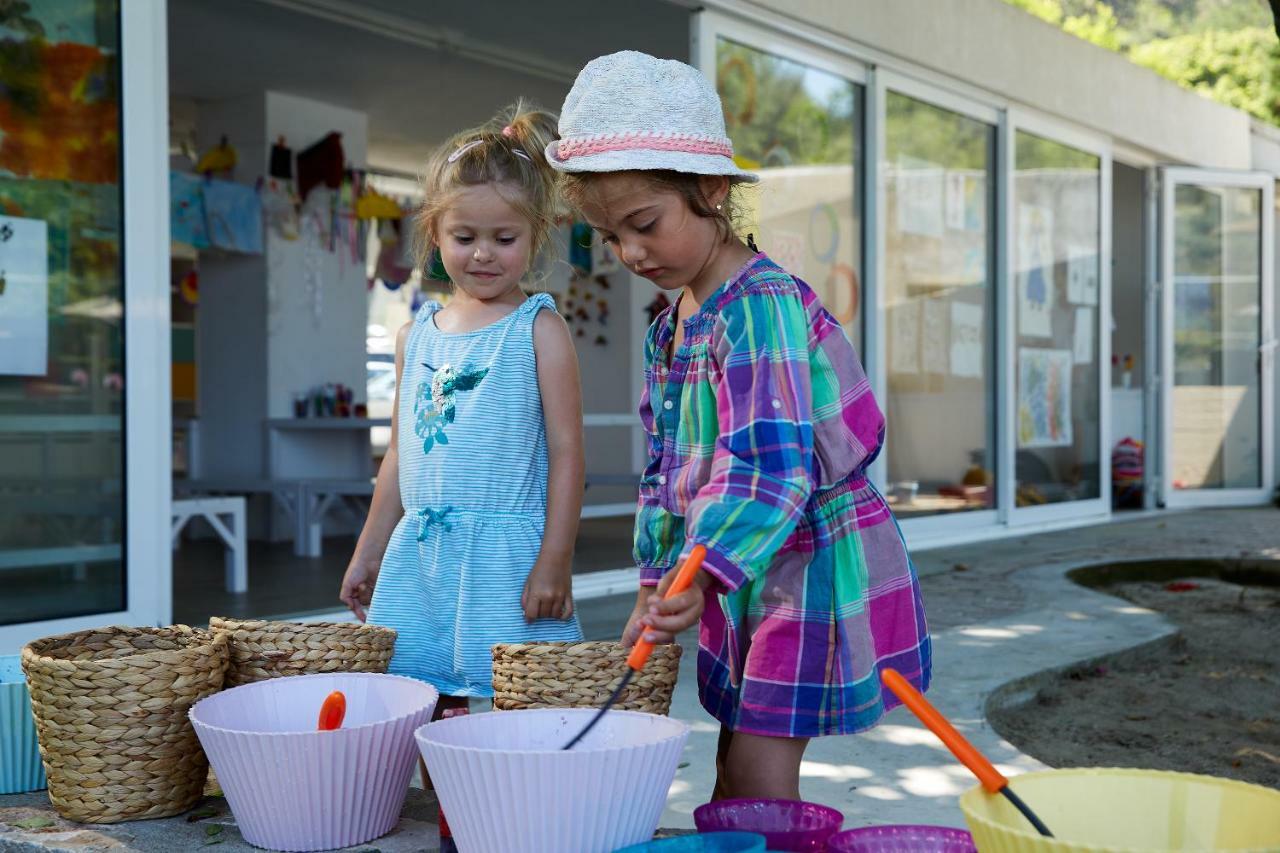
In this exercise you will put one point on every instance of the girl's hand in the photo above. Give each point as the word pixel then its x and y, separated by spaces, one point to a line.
pixel 357 586
pixel 548 591
pixel 669 616
pixel 635 623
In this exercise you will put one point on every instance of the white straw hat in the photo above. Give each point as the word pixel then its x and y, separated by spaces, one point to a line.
pixel 629 110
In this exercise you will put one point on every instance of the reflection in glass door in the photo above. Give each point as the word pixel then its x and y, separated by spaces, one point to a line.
pixel 799 128
pixel 61 314
pixel 1217 296
pixel 937 171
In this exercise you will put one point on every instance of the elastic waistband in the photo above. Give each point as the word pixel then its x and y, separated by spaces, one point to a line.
pixel 855 481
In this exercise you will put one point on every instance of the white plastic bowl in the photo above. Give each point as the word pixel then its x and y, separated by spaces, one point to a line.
pixel 504 782
pixel 293 788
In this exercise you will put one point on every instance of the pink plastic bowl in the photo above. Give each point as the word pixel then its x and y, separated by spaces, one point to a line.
pixel 293 788
pixel 902 838
pixel 786 824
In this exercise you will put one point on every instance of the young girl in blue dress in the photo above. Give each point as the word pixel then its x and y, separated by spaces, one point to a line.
pixel 469 539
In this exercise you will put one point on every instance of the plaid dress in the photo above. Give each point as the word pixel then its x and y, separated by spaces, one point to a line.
pixel 759 432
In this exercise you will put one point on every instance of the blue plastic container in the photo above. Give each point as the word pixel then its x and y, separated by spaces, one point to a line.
pixel 20 767
pixel 703 842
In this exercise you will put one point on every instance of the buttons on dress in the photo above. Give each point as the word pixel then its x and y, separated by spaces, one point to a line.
pixel 667 405
pixel 662 479
pixel 777 404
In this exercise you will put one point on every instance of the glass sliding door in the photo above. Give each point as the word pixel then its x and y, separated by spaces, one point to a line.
pixel 1057 256
pixel 937 172
pixel 70 376
pixel 61 314
pixel 1218 342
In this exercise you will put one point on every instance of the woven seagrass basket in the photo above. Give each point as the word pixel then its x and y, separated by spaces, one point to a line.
pixel 580 675
pixel 110 707
pixel 260 650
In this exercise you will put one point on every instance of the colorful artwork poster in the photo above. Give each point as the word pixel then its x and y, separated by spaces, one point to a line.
pixel 24 297
pixel 186 211
pixel 1035 271
pixel 1044 398
pixel 233 213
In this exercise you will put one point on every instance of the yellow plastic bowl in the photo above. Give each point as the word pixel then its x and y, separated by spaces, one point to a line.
pixel 1126 811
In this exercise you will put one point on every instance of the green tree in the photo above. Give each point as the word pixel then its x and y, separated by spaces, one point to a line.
pixel 1234 68
pixel 1223 49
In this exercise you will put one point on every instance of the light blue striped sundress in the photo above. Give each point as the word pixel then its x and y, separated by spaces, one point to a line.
pixel 473 483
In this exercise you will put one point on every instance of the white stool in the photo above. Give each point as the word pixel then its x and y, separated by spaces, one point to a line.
pixel 232 532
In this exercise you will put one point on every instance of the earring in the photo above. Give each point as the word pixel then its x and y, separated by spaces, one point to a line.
pixel 718 206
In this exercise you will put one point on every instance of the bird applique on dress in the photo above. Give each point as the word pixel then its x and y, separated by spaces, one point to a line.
pixel 436 401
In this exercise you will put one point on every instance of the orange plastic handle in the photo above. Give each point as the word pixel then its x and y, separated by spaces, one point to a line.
pixel 960 747
pixel 332 711
pixel 684 579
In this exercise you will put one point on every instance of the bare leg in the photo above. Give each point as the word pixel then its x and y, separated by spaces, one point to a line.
pixel 764 767
pixel 446 703
pixel 721 790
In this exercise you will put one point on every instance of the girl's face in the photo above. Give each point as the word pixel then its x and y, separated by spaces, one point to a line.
pixel 485 243
pixel 652 230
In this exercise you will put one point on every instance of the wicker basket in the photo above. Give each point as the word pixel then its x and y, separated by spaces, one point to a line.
pixel 261 650
pixel 110 706
pixel 580 675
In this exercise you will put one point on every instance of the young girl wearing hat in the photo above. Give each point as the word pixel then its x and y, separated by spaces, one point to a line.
pixel 760 424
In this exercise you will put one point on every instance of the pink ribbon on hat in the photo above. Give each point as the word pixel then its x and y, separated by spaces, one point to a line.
pixel 567 149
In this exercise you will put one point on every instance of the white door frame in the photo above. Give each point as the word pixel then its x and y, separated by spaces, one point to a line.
pixel 1171 178
pixel 148 465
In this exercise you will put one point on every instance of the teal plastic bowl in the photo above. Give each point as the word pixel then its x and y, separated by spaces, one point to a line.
pixel 20 767
pixel 703 842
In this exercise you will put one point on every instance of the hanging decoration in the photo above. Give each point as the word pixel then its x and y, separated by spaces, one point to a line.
pixel 281 165
pixel 659 304
pixel 220 160
pixel 280 208
pixel 189 287
pixel 322 163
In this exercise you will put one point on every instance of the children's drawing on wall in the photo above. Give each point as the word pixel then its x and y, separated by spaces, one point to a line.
pixel 1044 397
pixel 966 340
pixel 920 194
pixel 1035 271
pixel 1082 345
pixel 933 339
pixel 234 216
pixel 904 346
pixel 1082 276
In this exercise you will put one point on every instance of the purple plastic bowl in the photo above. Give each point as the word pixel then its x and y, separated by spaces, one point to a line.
pixel 902 838
pixel 790 825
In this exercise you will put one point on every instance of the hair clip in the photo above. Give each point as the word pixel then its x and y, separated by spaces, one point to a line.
pixel 519 153
pixel 508 131
pixel 463 149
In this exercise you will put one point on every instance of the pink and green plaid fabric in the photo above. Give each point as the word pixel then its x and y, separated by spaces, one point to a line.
pixel 759 430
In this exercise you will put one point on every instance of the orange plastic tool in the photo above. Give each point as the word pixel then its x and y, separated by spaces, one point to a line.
pixel 332 711
pixel 641 651
pixel 991 778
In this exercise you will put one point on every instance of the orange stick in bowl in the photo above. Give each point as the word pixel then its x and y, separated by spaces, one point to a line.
pixel 991 778
pixel 332 711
